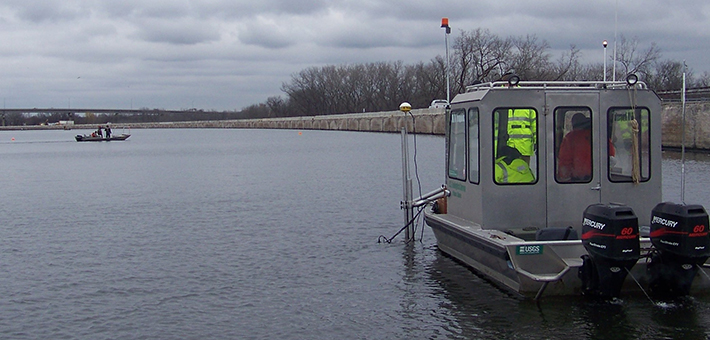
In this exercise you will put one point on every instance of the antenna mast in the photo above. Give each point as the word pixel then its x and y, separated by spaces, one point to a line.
pixel 616 17
pixel 445 24
pixel 682 150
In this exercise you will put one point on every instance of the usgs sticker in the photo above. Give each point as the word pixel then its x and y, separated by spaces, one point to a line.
pixel 529 250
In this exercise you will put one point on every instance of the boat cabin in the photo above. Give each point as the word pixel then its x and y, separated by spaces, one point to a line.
pixel 555 188
pixel 529 155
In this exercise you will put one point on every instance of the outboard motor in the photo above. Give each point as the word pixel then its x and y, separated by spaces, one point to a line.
pixel 680 235
pixel 610 234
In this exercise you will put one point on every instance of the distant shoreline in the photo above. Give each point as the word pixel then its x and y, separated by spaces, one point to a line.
pixel 426 121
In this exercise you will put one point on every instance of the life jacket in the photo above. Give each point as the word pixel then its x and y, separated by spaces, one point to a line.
pixel 517 171
pixel 521 130
pixel 623 125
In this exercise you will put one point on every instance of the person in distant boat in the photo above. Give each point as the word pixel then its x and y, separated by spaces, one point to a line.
pixel 98 131
pixel 510 167
pixel 575 159
pixel 108 131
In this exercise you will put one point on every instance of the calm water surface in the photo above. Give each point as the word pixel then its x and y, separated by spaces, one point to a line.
pixel 263 234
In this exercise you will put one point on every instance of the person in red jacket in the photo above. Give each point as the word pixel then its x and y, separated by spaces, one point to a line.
pixel 575 158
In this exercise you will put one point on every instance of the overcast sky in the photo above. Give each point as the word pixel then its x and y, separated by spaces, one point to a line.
pixel 228 54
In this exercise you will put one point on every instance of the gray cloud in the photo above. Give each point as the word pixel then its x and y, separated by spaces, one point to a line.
pixel 180 32
pixel 46 11
pixel 228 54
pixel 270 33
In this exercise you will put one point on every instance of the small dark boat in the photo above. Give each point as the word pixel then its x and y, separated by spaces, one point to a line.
pixel 90 138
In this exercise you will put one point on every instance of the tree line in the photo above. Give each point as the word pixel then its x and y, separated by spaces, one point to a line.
pixel 478 56
pixel 144 115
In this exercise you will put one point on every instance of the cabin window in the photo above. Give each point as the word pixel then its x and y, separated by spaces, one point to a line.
pixel 457 145
pixel 629 150
pixel 473 145
pixel 514 145
pixel 573 145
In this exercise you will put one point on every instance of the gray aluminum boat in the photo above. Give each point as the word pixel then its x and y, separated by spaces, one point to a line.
pixel 605 233
pixel 90 138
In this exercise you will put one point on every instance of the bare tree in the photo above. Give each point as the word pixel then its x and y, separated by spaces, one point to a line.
pixel 480 56
pixel 278 107
pixel 704 80
pixel 634 60
pixel 567 66
pixel 667 75
pixel 433 76
pixel 14 118
pixel 531 59
pixel 582 72
pixel 304 91
pixel 255 111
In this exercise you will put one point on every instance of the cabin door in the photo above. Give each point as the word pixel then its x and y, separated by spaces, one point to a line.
pixel 573 156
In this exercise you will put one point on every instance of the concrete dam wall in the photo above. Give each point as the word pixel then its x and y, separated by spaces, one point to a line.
pixel 426 121
pixel 697 125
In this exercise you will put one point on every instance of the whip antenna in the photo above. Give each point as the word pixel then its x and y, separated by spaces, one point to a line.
pixel 682 143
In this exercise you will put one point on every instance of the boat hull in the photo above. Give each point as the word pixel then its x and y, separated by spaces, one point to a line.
pixel 86 138
pixel 532 268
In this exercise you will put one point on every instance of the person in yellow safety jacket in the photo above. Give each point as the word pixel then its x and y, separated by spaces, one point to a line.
pixel 623 127
pixel 522 130
pixel 511 168
pixel 624 120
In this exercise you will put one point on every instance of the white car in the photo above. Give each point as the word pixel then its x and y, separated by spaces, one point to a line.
pixel 438 104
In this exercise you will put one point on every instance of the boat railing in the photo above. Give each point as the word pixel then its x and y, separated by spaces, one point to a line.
pixel 545 279
pixel 631 82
